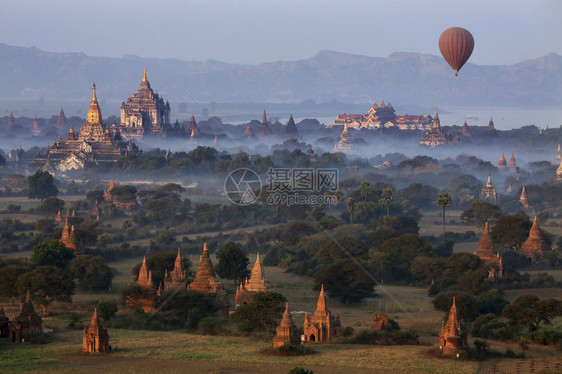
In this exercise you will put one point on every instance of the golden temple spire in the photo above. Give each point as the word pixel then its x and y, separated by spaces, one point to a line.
pixel 321 304
pixel 94 98
pixel 144 79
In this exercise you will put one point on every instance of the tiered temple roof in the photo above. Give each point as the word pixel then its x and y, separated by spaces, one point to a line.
pixel 435 136
pixel 256 283
pixel 344 144
pixel 489 191
pixel 486 253
pixel 144 113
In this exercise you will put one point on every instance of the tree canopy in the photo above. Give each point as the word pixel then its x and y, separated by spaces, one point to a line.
pixel 41 185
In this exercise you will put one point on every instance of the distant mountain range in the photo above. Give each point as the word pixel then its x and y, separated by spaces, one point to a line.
pixel 402 78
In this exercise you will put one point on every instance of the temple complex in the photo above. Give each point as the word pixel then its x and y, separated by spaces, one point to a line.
pixel 264 129
pixel 285 332
pixel 533 247
pixel 502 163
pixel 257 283
pixel 291 129
pixel 523 199
pixel 144 113
pixel 435 136
pixel 512 167
pixel 488 192
pixel 27 325
pixel 485 252
pixel 95 338
pixel 67 236
pixel 249 133
pixel 451 338
pixel 322 325
pixel 344 144
pixel 93 145
pixel 383 116
pixel 176 278
pixel 206 281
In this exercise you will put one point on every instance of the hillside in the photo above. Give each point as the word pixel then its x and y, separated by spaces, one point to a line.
pixel 29 73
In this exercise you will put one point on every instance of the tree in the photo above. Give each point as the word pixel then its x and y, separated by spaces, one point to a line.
pixel 47 284
pixel 510 232
pixel 400 252
pixel 15 182
pixel 345 281
pixel 351 208
pixel 480 212
pixel 427 268
pixel 467 304
pixel 232 262
pixel 386 199
pixel 52 253
pixel 444 201
pixel 530 311
pixel 10 270
pixel 91 272
pixel 261 314
pixel 51 205
pixel 106 309
pixel 41 185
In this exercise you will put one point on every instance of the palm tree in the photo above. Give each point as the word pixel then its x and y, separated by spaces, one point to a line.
pixel 365 190
pixel 444 201
pixel 351 208
pixel 386 199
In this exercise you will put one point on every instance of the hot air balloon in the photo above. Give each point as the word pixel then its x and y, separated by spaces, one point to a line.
pixel 456 45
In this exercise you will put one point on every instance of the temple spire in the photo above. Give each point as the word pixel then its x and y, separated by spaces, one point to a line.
pixel 144 79
pixel 94 97
pixel 264 119
pixel 321 305
pixel 489 182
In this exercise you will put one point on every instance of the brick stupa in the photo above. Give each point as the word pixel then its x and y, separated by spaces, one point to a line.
pixel 257 283
pixel 523 199
pixel 502 163
pixel 285 332
pixel 176 278
pixel 206 281
pixel 485 252
pixel 533 247
pixel 451 338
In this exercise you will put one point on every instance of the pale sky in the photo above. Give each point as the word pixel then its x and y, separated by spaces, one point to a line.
pixel 256 31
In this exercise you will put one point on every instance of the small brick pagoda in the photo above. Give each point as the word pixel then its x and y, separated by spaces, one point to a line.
pixel 533 247
pixel 257 283
pixel 451 338
pixel 486 253
pixel 502 163
pixel 95 338
pixel 67 237
pixel 176 278
pixel 523 199
pixel 285 332
pixel 322 325
pixel 488 192
pixel 380 322
pixel 27 325
pixel 148 301
pixel 206 281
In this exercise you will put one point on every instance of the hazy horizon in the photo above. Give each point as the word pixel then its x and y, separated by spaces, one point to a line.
pixel 254 32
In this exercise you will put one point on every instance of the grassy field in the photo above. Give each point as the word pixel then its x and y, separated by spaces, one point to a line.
pixel 152 351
